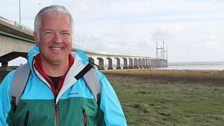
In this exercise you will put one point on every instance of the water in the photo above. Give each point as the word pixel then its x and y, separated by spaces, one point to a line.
pixel 196 67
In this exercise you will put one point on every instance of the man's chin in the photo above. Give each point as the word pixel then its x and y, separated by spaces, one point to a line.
pixel 57 60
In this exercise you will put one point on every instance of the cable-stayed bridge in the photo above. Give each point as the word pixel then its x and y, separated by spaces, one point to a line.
pixel 16 40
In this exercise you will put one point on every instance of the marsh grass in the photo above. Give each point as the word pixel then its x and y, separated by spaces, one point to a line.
pixel 154 98
pixel 169 97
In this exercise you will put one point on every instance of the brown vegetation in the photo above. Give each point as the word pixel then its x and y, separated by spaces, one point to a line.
pixel 187 76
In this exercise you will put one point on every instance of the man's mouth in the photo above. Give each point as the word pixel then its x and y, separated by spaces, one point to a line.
pixel 56 48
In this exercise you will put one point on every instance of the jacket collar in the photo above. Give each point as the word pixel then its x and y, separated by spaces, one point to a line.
pixel 39 68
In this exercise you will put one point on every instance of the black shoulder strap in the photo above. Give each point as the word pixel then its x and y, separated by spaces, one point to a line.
pixel 92 81
pixel 19 83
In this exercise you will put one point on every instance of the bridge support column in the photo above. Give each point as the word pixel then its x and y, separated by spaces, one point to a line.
pixel 125 63
pixel 4 66
pixel 130 63
pixel 148 63
pixel 158 63
pixel 144 64
pixel 118 63
pixel 163 63
pixel 135 63
pixel 110 65
pixel 153 61
pixel 166 63
pixel 140 66
pixel 101 63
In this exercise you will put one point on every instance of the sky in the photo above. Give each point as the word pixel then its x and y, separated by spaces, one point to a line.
pixel 192 30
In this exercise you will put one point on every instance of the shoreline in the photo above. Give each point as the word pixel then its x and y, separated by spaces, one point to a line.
pixel 188 76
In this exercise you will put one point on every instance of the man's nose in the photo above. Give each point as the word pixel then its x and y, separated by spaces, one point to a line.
pixel 57 37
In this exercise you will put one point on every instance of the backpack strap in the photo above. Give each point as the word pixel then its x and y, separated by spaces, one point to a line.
pixel 18 84
pixel 22 74
pixel 92 81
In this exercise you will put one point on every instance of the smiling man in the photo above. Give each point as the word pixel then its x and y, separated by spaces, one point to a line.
pixel 54 95
pixel 53 35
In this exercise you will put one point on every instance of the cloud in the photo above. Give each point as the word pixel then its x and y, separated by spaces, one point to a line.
pixel 133 26
pixel 209 43
pixel 165 32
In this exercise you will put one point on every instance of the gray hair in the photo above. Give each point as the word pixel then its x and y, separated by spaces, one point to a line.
pixel 50 9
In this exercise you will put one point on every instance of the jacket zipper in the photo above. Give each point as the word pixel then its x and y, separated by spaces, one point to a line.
pixel 84 117
pixel 55 96
pixel 56 114
pixel 26 118
pixel 56 109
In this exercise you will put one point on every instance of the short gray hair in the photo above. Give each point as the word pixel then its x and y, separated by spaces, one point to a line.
pixel 50 9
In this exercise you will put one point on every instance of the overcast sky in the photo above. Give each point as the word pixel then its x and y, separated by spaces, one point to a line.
pixel 193 30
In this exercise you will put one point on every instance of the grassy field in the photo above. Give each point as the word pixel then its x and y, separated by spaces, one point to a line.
pixel 170 98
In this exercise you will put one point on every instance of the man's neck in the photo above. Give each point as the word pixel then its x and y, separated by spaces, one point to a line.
pixel 55 69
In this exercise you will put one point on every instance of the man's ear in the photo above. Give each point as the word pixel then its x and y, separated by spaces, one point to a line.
pixel 36 38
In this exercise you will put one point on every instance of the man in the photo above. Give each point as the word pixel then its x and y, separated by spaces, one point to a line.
pixel 52 96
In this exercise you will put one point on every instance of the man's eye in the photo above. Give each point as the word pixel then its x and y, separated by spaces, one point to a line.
pixel 65 33
pixel 48 32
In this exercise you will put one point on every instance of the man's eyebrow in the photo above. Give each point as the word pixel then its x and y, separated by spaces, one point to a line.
pixel 47 29
pixel 66 30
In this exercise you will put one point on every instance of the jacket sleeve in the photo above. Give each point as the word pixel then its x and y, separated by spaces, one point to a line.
pixel 5 105
pixel 110 105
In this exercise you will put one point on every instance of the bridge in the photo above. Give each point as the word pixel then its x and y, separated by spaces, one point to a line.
pixel 16 40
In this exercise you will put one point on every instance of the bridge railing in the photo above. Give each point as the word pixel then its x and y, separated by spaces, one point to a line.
pixel 17 24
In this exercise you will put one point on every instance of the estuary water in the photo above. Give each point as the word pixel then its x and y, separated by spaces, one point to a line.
pixel 195 67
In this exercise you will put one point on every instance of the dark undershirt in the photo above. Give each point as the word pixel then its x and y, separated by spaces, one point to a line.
pixel 55 81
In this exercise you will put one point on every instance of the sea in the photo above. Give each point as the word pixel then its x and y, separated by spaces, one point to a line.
pixel 195 66
pixel 188 66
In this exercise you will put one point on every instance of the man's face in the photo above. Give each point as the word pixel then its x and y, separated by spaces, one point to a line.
pixel 55 38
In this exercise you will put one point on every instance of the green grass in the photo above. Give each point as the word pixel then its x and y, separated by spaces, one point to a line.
pixel 170 98
pixel 162 101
